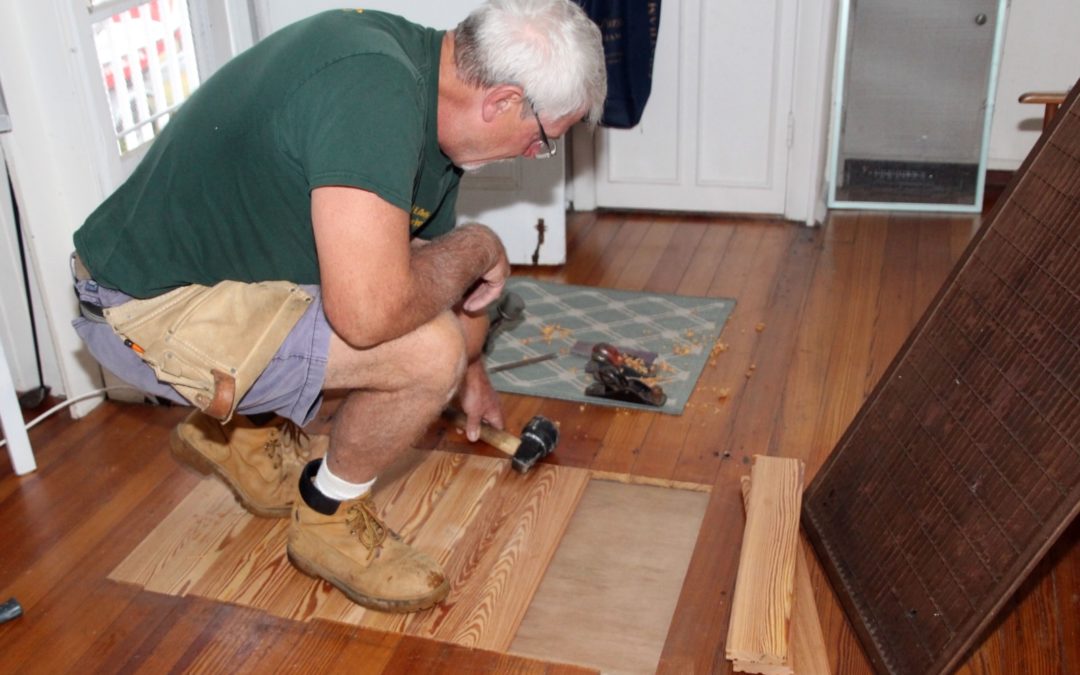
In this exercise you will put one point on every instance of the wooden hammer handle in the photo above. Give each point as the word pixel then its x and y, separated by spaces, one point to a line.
pixel 496 438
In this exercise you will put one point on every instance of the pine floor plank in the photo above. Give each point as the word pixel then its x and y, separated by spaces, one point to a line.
pixel 671 264
pixel 173 557
pixel 510 560
pixel 120 640
pixel 1030 629
pixel 695 638
pixel 619 253
pixel 493 530
pixel 1066 578
pixel 645 258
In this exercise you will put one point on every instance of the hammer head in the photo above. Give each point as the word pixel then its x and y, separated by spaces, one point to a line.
pixel 538 440
pixel 504 315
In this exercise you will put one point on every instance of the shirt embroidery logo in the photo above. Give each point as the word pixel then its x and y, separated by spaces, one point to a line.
pixel 420 216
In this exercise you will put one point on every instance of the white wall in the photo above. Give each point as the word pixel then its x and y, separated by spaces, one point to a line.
pixel 1042 53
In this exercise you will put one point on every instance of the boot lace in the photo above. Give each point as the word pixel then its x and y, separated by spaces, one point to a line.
pixel 288 437
pixel 364 523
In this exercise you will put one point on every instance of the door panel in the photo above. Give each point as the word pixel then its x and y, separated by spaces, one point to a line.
pixel 714 133
pixel 510 197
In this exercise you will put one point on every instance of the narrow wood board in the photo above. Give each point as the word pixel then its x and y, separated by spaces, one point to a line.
pixel 610 592
pixel 764 588
pixel 808 653
pixel 494 531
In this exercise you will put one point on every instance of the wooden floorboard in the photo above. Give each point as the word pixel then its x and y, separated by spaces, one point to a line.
pixel 819 315
pixel 493 531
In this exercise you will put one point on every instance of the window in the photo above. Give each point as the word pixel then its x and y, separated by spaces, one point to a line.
pixel 147 61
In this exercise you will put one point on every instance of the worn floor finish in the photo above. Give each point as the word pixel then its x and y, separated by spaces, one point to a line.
pixel 820 314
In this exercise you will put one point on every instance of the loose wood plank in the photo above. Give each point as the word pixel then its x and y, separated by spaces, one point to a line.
pixel 761 607
pixel 809 655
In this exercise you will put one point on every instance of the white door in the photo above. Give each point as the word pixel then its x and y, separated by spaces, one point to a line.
pixel 715 133
pixel 523 200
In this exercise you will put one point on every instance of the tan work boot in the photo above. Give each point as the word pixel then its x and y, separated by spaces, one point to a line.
pixel 347 544
pixel 260 464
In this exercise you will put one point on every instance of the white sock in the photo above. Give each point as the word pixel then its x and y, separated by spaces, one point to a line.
pixel 338 488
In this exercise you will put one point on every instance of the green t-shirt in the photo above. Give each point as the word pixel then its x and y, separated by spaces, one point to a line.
pixel 345 97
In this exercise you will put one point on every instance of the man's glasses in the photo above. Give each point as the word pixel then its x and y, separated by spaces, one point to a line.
pixel 547 146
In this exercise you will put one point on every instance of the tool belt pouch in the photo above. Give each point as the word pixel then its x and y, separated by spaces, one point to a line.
pixel 211 343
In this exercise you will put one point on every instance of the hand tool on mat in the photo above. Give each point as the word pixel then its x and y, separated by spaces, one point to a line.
pixel 537 440
pixel 503 315
pixel 584 349
pixel 617 381
pixel 522 363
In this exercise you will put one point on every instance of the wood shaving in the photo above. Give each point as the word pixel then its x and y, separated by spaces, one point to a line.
pixel 635 364
pixel 552 331
pixel 725 393
pixel 718 348
pixel 760 327
pixel 680 349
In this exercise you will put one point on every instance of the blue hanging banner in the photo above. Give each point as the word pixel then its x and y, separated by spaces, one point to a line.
pixel 629 29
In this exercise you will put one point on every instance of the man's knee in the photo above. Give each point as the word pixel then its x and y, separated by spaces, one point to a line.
pixel 431 359
pixel 440 357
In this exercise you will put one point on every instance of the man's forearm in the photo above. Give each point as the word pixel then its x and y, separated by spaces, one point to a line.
pixel 442 271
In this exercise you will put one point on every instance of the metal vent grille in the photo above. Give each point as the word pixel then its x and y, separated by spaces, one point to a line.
pixel 963 466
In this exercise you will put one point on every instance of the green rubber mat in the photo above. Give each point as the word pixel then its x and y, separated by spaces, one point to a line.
pixel 680 329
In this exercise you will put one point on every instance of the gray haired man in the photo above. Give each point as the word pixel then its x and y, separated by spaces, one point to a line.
pixel 327 158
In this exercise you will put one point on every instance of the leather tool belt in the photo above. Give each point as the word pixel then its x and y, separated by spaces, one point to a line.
pixel 211 342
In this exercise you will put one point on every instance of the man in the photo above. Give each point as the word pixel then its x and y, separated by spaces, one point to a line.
pixel 314 158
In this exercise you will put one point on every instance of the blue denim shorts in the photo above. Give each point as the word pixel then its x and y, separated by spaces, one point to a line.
pixel 291 385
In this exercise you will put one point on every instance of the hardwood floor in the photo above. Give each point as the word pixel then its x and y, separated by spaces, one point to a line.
pixel 820 314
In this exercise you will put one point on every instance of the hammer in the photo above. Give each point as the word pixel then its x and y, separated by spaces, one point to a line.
pixel 503 315
pixel 538 439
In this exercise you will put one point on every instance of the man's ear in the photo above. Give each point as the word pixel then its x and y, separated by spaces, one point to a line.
pixel 502 98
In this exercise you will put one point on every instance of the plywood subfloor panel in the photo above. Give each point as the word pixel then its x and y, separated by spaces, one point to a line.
pixel 609 594
pixel 493 530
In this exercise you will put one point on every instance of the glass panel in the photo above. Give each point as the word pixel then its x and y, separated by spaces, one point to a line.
pixel 915 94
pixel 148 67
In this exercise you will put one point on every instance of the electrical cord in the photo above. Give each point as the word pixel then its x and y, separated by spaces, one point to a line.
pixel 60 406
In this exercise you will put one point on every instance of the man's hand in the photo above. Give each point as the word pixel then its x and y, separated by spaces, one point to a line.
pixel 479 401
pixel 490 286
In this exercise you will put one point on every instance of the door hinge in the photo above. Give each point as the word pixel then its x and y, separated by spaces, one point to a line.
pixel 790 130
